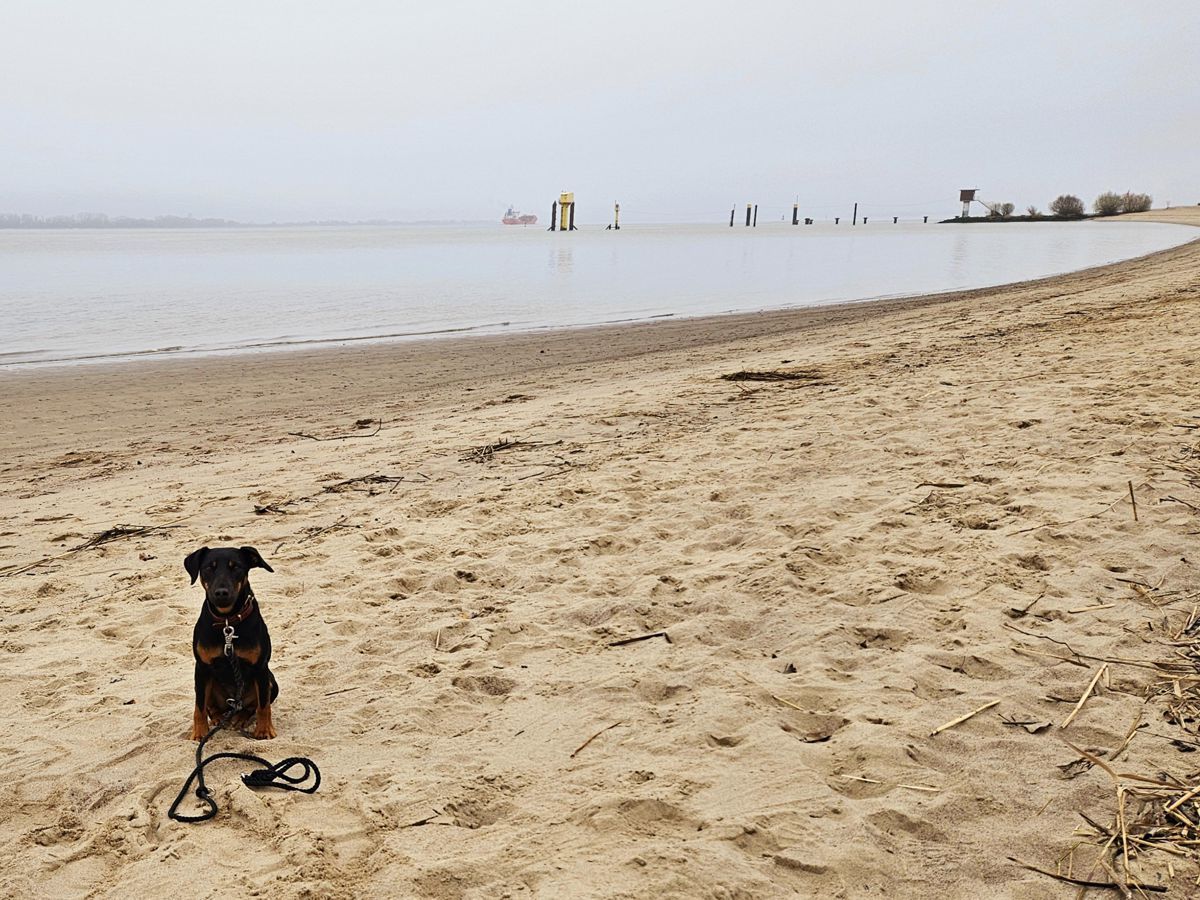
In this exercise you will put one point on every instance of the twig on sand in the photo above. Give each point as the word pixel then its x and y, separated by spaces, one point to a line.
pixel 1083 609
pixel 336 488
pixel 927 788
pixel 487 452
pixel 121 531
pixel 428 820
pixel 1087 693
pixel 641 637
pixel 1024 377
pixel 1171 498
pixel 1133 500
pixel 340 523
pixel 340 437
pixel 776 697
pixel 1095 515
pixel 962 719
pixel 810 375
pixel 107 536
pixel 593 737
pixel 1082 882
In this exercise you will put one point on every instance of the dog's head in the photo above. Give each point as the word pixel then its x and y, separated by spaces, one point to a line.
pixel 225 573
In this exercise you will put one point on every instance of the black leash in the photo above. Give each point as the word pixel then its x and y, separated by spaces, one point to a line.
pixel 269 775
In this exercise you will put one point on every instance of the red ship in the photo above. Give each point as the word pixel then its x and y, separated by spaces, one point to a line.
pixel 515 217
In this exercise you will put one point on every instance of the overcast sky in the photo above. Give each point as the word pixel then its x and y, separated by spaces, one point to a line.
pixel 452 109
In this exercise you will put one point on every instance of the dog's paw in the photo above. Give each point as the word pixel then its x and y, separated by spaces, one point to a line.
pixel 264 731
pixel 199 726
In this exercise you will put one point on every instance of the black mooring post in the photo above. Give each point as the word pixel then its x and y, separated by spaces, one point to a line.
pixel 572 222
pixel 553 216
pixel 795 213
pixel 755 215
pixel 926 220
pixel 894 219
pixel 836 219
pixel 855 222
pixel 864 220
pixel 747 215
pixel 731 212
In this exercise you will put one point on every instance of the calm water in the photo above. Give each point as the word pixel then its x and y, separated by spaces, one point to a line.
pixel 73 295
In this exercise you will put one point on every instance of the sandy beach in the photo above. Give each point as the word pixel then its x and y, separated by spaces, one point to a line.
pixel 926 509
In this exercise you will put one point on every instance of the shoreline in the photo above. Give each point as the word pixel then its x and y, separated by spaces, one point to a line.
pixel 489 331
pixel 848 561
pixel 426 365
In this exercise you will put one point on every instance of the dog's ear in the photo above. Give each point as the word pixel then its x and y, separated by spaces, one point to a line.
pixel 192 562
pixel 253 560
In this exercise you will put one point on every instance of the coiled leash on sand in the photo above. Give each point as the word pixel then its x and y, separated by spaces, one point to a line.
pixel 268 776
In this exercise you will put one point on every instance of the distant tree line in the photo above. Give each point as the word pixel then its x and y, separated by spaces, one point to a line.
pixel 1068 206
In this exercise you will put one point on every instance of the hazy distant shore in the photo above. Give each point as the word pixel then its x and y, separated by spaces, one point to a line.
pixel 99 220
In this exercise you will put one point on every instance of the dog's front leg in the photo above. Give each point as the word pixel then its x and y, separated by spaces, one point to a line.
pixel 200 714
pixel 264 728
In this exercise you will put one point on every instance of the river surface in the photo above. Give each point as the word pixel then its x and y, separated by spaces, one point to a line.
pixel 92 295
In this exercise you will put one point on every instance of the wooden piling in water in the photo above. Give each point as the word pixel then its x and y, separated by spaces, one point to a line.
pixel 747 215
pixel 731 214
pixel 795 213
pixel 553 216
pixel 755 215
pixel 855 222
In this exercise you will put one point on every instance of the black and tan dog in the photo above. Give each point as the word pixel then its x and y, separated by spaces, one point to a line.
pixel 229 603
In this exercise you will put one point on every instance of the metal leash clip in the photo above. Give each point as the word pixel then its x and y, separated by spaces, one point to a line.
pixel 229 638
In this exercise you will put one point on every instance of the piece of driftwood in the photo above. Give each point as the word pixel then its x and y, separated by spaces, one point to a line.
pixel 1087 693
pixel 641 637
pixel 1083 882
pixel 341 437
pixel 810 375
pixel 579 749
pixel 348 484
pixel 116 533
pixel 962 719
pixel 487 452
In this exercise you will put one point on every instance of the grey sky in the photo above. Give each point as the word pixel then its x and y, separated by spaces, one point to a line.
pixel 453 109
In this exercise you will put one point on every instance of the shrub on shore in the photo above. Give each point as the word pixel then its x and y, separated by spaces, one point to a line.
pixel 1108 204
pixel 1004 210
pixel 1136 202
pixel 1067 205
pixel 1032 212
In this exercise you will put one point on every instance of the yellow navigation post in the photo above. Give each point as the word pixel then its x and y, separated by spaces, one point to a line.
pixel 566 211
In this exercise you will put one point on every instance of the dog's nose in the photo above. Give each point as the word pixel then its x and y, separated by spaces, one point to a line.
pixel 221 594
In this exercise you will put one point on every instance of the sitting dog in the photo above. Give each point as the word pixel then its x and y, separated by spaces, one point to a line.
pixel 229 626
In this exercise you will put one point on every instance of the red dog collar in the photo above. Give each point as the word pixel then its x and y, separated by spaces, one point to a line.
pixel 237 618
